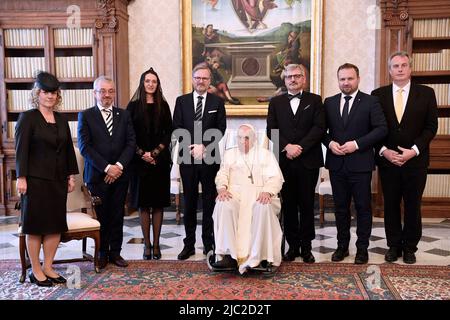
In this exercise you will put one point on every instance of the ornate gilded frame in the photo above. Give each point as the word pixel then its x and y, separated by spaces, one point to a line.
pixel 254 110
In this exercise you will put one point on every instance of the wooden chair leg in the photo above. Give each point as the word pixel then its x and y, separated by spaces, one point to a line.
pixel 84 246
pixel 177 206
pixel 23 260
pixel 321 209
pixel 96 248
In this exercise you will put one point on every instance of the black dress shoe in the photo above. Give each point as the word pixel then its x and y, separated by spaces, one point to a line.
pixel 156 253
pixel 186 253
pixel 43 283
pixel 308 257
pixel 392 254
pixel 58 280
pixel 119 261
pixel 102 262
pixel 226 263
pixel 147 255
pixel 291 254
pixel 362 256
pixel 339 254
pixel 409 257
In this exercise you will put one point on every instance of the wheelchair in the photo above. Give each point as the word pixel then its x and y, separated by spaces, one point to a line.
pixel 265 268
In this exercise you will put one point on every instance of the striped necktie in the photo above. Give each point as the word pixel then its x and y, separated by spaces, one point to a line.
pixel 198 109
pixel 108 120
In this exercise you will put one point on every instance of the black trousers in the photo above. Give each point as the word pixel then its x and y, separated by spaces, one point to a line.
pixel 298 205
pixel 405 184
pixel 347 185
pixel 110 215
pixel 191 175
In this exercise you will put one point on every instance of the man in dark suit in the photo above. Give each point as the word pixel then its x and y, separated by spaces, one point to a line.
pixel 403 156
pixel 107 142
pixel 355 123
pixel 199 118
pixel 296 125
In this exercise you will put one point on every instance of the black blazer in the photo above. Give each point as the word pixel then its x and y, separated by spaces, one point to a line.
pixel 418 126
pixel 306 128
pixel 366 125
pixel 38 154
pixel 99 148
pixel 213 118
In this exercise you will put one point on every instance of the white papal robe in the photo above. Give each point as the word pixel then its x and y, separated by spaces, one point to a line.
pixel 246 229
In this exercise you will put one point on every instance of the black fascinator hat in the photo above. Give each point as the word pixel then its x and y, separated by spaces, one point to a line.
pixel 47 82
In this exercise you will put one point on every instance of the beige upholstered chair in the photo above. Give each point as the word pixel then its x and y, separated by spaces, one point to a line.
pixel 323 188
pixel 81 220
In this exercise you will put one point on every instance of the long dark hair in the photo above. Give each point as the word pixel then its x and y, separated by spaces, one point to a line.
pixel 141 97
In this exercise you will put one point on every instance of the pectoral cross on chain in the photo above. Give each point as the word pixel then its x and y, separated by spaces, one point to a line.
pixel 251 177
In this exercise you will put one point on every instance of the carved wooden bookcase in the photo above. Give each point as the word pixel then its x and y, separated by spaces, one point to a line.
pixel 76 40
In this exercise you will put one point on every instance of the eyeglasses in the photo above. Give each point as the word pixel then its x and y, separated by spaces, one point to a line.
pixel 294 76
pixel 103 91
pixel 198 79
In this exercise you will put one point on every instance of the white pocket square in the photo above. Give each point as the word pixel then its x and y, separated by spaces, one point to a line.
pixel 212 111
pixel 306 107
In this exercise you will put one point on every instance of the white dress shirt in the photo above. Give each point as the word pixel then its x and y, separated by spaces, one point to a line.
pixel 104 115
pixel 295 102
pixel 405 95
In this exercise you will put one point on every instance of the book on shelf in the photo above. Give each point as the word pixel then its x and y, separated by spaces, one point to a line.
pixel 73 37
pixel 442 91
pixel 73 125
pixel 435 61
pixel 76 100
pixel 438 185
pixel 11 129
pixel 18 100
pixel 23 67
pixel 429 28
pixel 443 126
pixel 72 100
pixel 24 37
pixel 74 67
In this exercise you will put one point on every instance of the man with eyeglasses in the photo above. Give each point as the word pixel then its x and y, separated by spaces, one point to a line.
pixel 199 114
pixel 296 125
pixel 107 142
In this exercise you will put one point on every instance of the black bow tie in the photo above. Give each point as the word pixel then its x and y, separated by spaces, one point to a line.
pixel 292 96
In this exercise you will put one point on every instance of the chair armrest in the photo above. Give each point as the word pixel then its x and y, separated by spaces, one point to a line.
pixel 95 200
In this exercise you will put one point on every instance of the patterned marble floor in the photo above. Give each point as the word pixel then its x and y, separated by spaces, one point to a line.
pixel 434 247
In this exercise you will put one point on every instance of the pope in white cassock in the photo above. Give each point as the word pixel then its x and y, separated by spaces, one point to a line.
pixel 246 226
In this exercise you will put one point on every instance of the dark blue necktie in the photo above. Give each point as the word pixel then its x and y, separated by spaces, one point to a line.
pixel 292 96
pixel 345 110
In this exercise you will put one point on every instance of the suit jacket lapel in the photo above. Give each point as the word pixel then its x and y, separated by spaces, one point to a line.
pixel 116 122
pixel 99 118
pixel 390 108
pixel 336 103
pixel 412 96
pixel 354 108
pixel 190 108
pixel 208 105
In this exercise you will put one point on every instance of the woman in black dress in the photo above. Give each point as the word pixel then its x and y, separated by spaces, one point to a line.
pixel 150 183
pixel 45 165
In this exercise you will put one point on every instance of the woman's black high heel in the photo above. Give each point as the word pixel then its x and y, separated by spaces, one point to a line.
pixel 44 283
pixel 156 253
pixel 148 256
